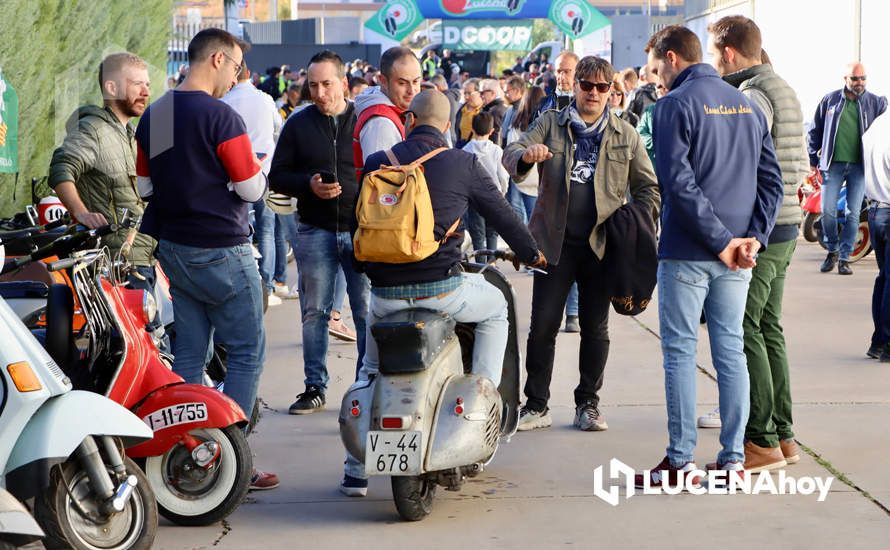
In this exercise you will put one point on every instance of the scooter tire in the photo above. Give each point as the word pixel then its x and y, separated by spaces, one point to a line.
pixel 413 496
pixel 809 227
pixel 197 509
pixel 54 513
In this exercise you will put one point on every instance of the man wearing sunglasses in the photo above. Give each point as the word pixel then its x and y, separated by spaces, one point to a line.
pixel 834 144
pixel 590 161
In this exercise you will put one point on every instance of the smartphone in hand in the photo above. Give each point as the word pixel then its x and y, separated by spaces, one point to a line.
pixel 327 177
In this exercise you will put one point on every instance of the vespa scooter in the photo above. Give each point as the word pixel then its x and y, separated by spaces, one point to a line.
pixel 425 419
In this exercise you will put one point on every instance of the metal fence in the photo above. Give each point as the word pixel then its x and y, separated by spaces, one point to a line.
pixel 184 29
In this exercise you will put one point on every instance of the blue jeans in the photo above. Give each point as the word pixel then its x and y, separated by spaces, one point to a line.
pixel 217 294
pixel 285 235
pixel 320 253
pixel 684 287
pixel 475 301
pixel 528 203
pixel 264 225
pixel 145 281
pixel 482 234
pixel 514 198
pixel 832 180
pixel 572 301
pixel 879 227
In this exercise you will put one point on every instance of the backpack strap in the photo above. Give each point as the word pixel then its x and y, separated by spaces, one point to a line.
pixel 392 157
pixel 429 155
pixel 451 231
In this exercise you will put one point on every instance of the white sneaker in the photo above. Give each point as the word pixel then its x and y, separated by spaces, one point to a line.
pixel 531 420
pixel 281 290
pixel 710 420
pixel 294 294
pixel 274 300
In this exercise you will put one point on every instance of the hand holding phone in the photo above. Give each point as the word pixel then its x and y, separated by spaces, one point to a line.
pixel 324 185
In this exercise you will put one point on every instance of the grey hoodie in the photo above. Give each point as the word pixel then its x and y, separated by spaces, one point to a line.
pixel 379 133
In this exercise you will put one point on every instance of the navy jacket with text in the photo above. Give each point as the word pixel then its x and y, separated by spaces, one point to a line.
pixel 716 165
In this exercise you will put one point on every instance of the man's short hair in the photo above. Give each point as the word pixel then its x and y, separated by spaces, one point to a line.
pixel 357 81
pixel 483 123
pixel 516 82
pixel 490 84
pixel 439 81
pixel 591 66
pixel 677 39
pixel 210 41
pixel 630 76
pixel 111 66
pixel 391 56
pixel 570 54
pixel 507 73
pixel 474 82
pixel 739 33
pixel 330 57
pixel 294 88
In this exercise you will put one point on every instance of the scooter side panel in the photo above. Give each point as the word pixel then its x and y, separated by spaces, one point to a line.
pixel 222 411
pixel 354 429
pixel 471 436
pixel 64 421
pixel 16 524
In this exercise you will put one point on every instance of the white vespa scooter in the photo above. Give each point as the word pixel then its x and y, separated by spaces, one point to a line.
pixel 62 448
pixel 425 419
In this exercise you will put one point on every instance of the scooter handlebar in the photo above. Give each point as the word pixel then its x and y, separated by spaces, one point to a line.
pixel 62 246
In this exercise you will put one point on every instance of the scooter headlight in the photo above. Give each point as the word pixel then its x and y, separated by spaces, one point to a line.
pixel 149 307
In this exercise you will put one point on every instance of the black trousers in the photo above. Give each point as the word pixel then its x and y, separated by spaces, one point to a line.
pixel 577 263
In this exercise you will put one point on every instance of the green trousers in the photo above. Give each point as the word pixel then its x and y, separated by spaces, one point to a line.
pixel 770 417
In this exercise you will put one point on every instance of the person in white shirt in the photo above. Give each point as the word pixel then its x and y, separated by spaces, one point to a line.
pixel 489 155
pixel 263 123
pixel 876 160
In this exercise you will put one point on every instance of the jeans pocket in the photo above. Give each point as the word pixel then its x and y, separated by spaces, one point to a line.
pixel 212 277
pixel 687 272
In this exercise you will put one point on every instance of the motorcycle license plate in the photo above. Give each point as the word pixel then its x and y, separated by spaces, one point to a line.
pixel 392 453
pixel 175 415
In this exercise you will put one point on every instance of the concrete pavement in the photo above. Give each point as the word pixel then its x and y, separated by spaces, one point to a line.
pixel 539 490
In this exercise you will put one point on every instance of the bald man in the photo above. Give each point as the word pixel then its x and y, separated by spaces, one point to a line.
pixel 834 144
pixel 455 179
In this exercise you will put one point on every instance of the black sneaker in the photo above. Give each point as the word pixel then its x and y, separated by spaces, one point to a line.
pixel 829 263
pixel 885 354
pixel 874 351
pixel 843 268
pixel 572 324
pixel 310 401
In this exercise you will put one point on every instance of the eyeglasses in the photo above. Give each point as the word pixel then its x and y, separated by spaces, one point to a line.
pixel 238 66
pixel 587 86
pixel 857 78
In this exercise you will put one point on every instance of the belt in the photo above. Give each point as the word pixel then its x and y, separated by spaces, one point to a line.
pixel 879 204
pixel 437 296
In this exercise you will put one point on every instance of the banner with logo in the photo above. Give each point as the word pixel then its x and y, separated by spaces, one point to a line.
pixel 487 9
pixel 474 34
pixel 576 18
pixel 9 127
pixel 396 19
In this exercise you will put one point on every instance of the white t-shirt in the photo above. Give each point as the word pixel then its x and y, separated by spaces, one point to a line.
pixel 876 157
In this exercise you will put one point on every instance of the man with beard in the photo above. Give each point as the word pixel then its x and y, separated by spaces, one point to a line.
pixel 197 168
pixel 834 144
pixel 91 170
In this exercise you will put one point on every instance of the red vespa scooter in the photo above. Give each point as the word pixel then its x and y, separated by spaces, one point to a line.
pixel 198 463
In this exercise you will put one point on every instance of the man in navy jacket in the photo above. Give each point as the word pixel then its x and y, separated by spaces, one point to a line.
pixel 834 144
pixel 721 189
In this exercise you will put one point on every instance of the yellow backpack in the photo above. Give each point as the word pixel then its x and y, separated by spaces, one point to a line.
pixel 395 214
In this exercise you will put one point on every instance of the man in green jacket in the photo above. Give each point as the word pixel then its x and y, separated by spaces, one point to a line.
pixel 94 170
pixel 736 53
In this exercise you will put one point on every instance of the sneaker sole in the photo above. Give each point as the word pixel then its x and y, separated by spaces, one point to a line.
pixel 252 488
pixel 341 336
pixel 305 411
pixel 354 491
pixel 792 459
pixel 544 422
pixel 706 424
pixel 601 427
pixel 766 467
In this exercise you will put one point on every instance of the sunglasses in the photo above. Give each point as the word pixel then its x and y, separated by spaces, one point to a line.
pixel 857 78
pixel 587 86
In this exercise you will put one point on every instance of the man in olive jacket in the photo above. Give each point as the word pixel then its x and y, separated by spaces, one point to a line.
pixel 589 159
pixel 94 170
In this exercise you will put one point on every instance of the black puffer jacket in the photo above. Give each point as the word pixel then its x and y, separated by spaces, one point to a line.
pixel 311 142
pixel 456 179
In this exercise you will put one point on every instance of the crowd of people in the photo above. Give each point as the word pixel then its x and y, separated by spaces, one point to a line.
pixel 559 159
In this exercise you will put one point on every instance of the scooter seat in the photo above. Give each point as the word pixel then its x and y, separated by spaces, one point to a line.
pixel 23 289
pixel 409 340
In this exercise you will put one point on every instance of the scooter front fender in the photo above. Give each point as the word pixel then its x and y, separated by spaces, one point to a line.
pixel 221 412
pixel 813 203
pixel 62 423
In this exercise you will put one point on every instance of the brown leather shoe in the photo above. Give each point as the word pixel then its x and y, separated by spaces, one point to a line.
pixel 791 450
pixel 263 481
pixel 758 459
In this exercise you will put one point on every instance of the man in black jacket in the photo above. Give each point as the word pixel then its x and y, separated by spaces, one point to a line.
pixel 313 162
pixel 455 179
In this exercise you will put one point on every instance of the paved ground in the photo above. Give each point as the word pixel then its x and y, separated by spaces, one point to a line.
pixel 538 493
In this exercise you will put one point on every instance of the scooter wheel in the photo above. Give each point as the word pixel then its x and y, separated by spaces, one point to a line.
pixel 413 496
pixel 809 227
pixel 135 527
pixel 191 495
pixel 862 246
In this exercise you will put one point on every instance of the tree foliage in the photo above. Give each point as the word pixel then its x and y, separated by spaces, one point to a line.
pixel 50 52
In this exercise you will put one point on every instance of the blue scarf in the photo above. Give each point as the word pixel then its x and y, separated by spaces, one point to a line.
pixel 587 138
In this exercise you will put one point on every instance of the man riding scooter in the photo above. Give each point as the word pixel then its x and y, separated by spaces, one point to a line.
pixel 455 179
